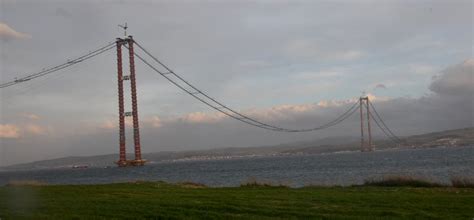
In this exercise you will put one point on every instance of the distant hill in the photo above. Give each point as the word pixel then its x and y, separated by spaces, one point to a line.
pixel 450 138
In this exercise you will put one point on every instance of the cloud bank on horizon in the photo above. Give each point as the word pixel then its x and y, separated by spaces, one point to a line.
pixel 293 64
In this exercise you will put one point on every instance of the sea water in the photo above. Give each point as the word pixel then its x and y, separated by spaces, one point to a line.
pixel 344 168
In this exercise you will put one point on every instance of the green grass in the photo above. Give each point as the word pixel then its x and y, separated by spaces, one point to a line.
pixel 152 200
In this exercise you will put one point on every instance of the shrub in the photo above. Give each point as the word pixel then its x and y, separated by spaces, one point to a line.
pixel 253 182
pixel 394 181
pixel 462 182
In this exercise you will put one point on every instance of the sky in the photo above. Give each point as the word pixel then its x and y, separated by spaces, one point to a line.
pixel 295 64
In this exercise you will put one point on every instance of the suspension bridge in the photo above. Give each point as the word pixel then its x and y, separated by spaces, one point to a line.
pixel 367 110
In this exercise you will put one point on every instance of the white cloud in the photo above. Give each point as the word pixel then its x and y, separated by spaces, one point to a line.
pixel 36 129
pixel 9 131
pixel 317 75
pixel 254 64
pixel 202 117
pixel 375 98
pixel 422 69
pixel 108 124
pixel 9 33
pixel 319 49
pixel 349 55
pixel 113 123
pixel 156 122
pixel 303 48
pixel 31 116
pixel 418 42
pixel 275 113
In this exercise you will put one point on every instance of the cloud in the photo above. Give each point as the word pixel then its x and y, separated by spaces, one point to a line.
pixel 113 123
pixel 254 64
pixel 422 69
pixel 319 75
pixel 275 113
pixel 418 42
pixel 318 49
pixel 156 122
pixel 375 98
pixel 9 131
pixel 31 116
pixel 108 124
pixel 380 86
pixel 202 117
pixel 280 112
pixel 129 122
pixel 6 32
pixel 303 48
pixel 349 55
pixel 61 12
pixel 36 129
pixel 456 80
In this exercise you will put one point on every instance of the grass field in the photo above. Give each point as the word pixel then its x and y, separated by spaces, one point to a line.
pixel 151 200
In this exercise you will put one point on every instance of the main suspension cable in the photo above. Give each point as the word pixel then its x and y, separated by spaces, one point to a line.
pixel 383 123
pixel 391 138
pixel 59 67
pixel 201 96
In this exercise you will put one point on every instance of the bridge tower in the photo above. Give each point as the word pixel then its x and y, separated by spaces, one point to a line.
pixel 138 161
pixel 365 146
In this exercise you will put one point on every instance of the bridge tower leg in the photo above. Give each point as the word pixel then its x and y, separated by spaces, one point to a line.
pixel 370 147
pixel 361 125
pixel 122 159
pixel 136 130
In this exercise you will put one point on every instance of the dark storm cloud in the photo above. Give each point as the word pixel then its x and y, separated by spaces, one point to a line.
pixel 455 81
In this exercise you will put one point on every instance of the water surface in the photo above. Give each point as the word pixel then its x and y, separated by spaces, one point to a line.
pixel 438 164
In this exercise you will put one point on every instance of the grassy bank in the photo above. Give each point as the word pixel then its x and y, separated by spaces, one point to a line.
pixel 161 200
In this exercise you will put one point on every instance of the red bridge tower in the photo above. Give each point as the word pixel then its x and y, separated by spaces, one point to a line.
pixel 138 161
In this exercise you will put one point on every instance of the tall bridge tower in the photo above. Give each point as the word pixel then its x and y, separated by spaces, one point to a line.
pixel 365 145
pixel 138 161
